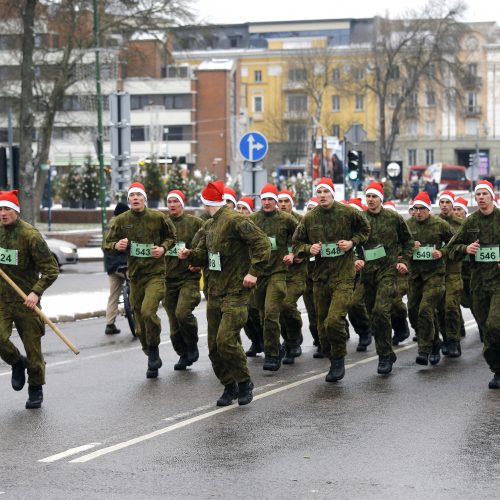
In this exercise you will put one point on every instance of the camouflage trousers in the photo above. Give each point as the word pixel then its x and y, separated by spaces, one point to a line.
pixel 270 293
pixel 399 310
pixel 31 330
pixel 357 312
pixel 145 297
pixel 423 295
pixel 290 317
pixel 380 289
pixel 311 310
pixel 486 304
pixel 253 326
pixel 332 300
pixel 180 300
pixel 449 313
pixel 226 316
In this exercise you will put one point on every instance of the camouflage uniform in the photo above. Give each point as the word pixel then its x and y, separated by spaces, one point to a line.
pixel 485 279
pixel 333 277
pixel 35 270
pixel 147 274
pixel 290 318
pixel 426 281
pixel 378 276
pixel 232 240
pixel 449 313
pixel 270 291
pixel 309 301
pixel 182 292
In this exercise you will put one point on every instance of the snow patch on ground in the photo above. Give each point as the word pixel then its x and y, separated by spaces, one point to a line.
pixel 75 303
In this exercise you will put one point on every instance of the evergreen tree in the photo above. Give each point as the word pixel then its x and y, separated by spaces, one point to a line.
pixel 175 180
pixel 90 182
pixel 152 180
pixel 71 191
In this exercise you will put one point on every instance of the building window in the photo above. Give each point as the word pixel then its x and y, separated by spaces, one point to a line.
pixel 297 74
pixel 430 99
pixel 175 72
pixel 394 72
pixel 178 101
pixel 359 73
pixel 235 41
pixel 257 76
pixel 297 132
pixel 471 101
pixel 297 103
pixel 335 103
pixel 359 103
pixel 472 69
pixel 336 130
pixel 336 74
pixel 412 157
pixel 431 71
pixel 137 134
pixel 71 103
pixel 429 156
pixel 472 127
pixel 412 127
pixel 258 104
pixel 393 100
pixel 140 101
pixel 430 127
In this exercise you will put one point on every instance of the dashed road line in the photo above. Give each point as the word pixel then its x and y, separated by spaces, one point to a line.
pixel 69 453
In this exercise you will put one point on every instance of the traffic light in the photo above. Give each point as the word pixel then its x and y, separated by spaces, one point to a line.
pixel 355 165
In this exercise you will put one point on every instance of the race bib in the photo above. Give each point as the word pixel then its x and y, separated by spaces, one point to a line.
pixel 375 253
pixel 289 248
pixel 330 250
pixel 214 261
pixel 141 250
pixel 423 253
pixel 9 257
pixel 272 240
pixel 173 251
pixel 488 254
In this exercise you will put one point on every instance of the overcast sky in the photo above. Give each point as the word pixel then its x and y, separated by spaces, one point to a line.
pixel 241 11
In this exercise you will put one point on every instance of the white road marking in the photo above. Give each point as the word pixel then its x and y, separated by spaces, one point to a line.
pixel 68 453
pixel 204 416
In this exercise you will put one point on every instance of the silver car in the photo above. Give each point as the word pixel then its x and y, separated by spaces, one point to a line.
pixel 64 251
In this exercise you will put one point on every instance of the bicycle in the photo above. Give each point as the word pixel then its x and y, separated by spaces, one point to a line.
pixel 125 301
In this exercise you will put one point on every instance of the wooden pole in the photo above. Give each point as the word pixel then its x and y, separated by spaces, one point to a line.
pixel 41 314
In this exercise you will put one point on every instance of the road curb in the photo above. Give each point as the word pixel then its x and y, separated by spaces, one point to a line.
pixel 68 318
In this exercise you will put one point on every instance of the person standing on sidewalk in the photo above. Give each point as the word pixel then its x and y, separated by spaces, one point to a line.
pixel 235 251
pixel 26 259
pixel 113 262
pixel 182 292
pixel 146 235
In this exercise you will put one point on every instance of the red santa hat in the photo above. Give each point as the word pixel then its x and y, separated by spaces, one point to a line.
pixel 376 188
pixel 447 195
pixel 246 202
pixel 462 203
pixel 327 183
pixel 179 195
pixel 390 205
pixel 230 194
pixel 286 194
pixel 485 185
pixel 213 194
pixel 137 187
pixel 269 191
pixel 356 203
pixel 9 199
pixel 313 201
pixel 422 199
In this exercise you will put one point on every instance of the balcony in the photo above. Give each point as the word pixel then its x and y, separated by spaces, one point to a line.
pixel 471 82
pixel 470 111
pixel 292 85
pixel 296 115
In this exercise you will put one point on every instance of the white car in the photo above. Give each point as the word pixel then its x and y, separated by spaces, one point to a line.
pixel 64 251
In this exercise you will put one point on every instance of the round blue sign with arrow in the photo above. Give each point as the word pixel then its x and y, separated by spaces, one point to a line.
pixel 253 146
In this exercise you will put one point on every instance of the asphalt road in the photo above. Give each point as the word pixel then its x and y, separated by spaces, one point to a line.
pixel 105 431
pixel 81 277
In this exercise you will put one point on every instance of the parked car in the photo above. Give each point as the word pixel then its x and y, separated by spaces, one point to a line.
pixel 64 251
pixel 452 176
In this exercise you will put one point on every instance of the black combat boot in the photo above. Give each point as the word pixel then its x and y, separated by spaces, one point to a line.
pixel 154 361
pixel 495 381
pixel 319 353
pixel 435 355
pixel 454 349
pixel 229 395
pixel 385 364
pixel 422 358
pixel 35 397
pixel 255 348
pixel 182 364
pixel 295 349
pixel 111 329
pixel 193 356
pixel 463 333
pixel 444 349
pixel 337 370
pixel 272 363
pixel 245 394
pixel 288 359
pixel 19 374
pixel 365 339
pixel 401 330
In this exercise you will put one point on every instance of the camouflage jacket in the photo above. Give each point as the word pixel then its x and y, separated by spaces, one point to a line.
pixel 389 229
pixel 486 229
pixel 279 228
pixel 32 267
pixel 434 232
pixel 330 225
pixel 452 265
pixel 186 226
pixel 232 243
pixel 147 227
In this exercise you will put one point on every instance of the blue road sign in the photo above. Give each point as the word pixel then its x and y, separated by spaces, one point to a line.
pixel 253 146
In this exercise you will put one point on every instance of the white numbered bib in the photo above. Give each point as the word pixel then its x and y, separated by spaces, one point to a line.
pixel 141 250
pixel 9 257
pixel 488 254
pixel 173 251
pixel 423 253
pixel 214 261
pixel 330 250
